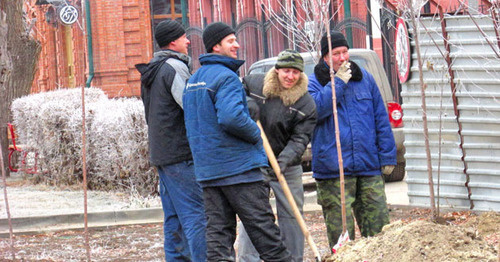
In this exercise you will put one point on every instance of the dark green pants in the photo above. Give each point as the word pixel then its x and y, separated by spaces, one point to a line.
pixel 364 196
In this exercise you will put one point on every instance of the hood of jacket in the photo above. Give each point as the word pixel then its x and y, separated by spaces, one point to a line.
pixel 231 63
pixel 150 70
pixel 273 88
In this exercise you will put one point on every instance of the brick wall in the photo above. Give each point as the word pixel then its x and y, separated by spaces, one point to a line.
pixel 121 38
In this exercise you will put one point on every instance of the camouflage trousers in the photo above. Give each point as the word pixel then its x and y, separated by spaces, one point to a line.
pixel 365 199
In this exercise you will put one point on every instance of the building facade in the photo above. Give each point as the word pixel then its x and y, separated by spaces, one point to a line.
pixel 121 34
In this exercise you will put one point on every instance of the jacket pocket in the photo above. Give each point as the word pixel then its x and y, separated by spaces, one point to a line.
pixel 364 101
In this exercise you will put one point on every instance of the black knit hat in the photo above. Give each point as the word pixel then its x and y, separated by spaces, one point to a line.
pixel 214 33
pixel 167 31
pixel 337 39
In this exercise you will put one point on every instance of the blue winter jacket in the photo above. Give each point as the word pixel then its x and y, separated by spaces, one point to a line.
pixel 366 137
pixel 223 138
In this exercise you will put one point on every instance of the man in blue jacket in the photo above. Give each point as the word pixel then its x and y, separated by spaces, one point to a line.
pixel 368 147
pixel 228 152
pixel 162 85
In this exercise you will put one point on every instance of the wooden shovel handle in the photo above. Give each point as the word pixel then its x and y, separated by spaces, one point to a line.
pixel 288 193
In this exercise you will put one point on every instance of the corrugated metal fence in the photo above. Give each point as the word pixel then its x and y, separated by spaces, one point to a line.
pixel 464 128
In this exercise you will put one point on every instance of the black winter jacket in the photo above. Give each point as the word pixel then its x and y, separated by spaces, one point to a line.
pixel 168 142
pixel 288 116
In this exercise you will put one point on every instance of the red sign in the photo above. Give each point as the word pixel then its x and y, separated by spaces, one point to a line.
pixel 403 52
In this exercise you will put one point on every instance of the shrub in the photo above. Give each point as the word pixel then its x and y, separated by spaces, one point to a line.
pixel 116 139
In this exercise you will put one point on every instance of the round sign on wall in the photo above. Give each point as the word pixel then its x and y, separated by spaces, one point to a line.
pixel 403 52
pixel 68 14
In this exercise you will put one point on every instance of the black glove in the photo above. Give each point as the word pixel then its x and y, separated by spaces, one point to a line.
pixel 254 109
pixel 283 166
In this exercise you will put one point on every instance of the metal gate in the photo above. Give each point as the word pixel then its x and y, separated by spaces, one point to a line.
pixel 463 111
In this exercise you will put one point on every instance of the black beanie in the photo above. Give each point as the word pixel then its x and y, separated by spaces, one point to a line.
pixel 167 31
pixel 214 33
pixel 337 39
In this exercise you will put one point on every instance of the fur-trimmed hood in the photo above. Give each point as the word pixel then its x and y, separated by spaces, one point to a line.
pixel 273 88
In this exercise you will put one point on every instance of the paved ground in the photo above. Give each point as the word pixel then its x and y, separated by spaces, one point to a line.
pixel 39 208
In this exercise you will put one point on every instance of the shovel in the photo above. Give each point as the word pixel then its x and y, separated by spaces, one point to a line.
pixel 288 193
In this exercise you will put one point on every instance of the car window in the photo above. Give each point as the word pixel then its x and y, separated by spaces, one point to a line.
pixel 256 70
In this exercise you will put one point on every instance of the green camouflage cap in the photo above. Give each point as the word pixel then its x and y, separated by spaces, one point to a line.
pixel 290 59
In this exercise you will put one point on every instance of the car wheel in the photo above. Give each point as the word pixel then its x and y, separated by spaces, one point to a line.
pixel 397 174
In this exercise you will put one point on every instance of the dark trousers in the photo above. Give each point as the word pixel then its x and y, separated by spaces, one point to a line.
pixel 291 233
pixel 250 201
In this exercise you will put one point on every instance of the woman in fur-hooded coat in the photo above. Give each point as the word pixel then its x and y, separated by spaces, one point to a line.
pixel 288 116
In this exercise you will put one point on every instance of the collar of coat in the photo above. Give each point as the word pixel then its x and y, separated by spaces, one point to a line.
pixel 273 88
pixel 171 53
pixel 322 72
pixel 229 62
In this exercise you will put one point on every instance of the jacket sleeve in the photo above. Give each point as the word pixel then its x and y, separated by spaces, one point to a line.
pixel 301 134
pixel 322 96
pixel 232 110
pixel 249 84
pixel 385 139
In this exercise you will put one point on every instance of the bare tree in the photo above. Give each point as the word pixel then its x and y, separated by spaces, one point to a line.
pixel 18 60
pixel 300 21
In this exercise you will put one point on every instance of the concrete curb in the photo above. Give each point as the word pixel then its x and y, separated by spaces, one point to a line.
pixel 39 224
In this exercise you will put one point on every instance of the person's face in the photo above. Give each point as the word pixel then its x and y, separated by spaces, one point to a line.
pixel 288 77
pixel 180 45
pixel 227 47
pixel 339 55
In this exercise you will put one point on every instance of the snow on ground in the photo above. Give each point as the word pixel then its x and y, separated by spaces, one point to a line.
pixel 40 200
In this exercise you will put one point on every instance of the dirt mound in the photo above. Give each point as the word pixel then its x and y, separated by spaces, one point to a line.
pixel 423 240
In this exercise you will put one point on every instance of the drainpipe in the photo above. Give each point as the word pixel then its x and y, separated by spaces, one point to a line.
pixel 184 13
pixel 347 16
pixel 89 43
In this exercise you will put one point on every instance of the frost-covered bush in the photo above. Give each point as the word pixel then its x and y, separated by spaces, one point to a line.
pixel 116 135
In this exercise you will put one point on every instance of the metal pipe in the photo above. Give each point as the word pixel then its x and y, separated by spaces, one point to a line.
pixel 347 16
pixel 184 7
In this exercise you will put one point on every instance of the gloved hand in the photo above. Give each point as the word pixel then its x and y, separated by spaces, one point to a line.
pixel 254 109
pixel 283 166
pixel 387 170
pixel 344 72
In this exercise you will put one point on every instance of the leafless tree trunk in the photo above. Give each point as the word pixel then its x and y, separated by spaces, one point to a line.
pixel 18 60
pixel 413 16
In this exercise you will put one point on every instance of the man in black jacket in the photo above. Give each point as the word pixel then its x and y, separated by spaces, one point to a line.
pixel 279 99
pixel 162 85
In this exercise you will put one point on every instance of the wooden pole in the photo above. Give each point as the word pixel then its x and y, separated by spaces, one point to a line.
pixel 337 133
pixel 84 168
pixel 288 193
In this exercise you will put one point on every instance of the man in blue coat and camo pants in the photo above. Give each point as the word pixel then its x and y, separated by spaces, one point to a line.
pixel 368 147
